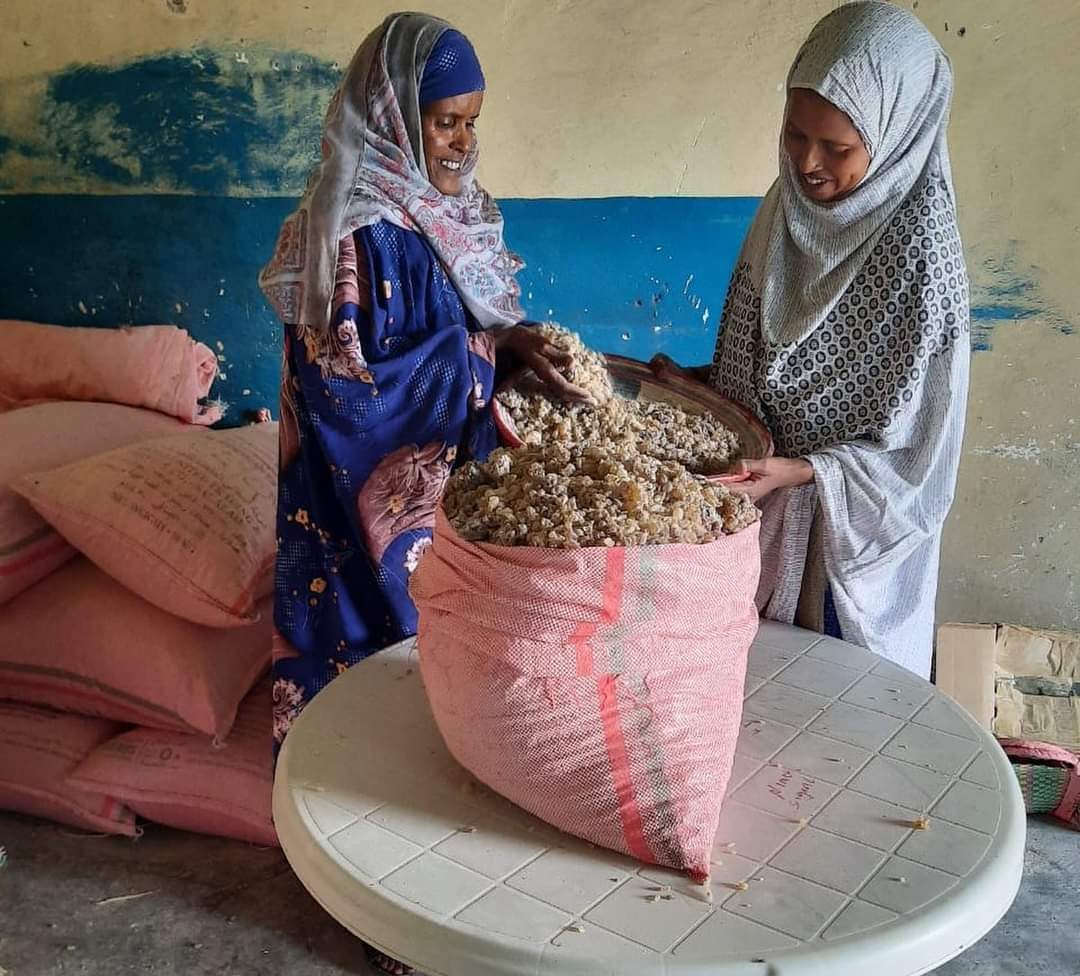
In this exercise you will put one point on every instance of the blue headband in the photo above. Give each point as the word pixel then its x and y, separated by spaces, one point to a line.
pixel 452 69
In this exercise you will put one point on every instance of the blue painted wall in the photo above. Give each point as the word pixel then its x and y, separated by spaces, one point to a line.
pixel 633 275
pixel 202 121
pixel 151 191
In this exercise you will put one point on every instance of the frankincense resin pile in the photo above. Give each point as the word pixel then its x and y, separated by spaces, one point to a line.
pixel 699 442
pixel 661 430
pixel 562 497
pixel 617 473
pixel 587 368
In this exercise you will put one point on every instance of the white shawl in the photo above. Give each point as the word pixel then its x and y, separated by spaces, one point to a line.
pixel 846 329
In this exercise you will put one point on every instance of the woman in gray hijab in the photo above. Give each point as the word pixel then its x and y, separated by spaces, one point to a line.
pixel 846 330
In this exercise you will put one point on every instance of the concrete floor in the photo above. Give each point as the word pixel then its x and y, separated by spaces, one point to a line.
pixel 213 907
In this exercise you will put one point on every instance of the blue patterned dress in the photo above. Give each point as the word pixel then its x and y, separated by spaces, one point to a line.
pixel 375 412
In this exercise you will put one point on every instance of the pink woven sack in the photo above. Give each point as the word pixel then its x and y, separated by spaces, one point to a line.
pixel 599 689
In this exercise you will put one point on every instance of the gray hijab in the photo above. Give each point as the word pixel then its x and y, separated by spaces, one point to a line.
pixel 884 69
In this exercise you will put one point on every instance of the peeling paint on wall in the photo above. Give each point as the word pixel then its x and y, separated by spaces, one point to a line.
pixel 225 122
pixel 1007 292
pixel 1028 451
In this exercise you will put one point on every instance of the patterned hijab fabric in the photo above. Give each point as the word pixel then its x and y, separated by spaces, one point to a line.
pixel 846 329
pixel 884 70
pixel 373 169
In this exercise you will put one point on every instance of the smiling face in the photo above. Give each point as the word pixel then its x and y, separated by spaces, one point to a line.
pixel 448 129
pixel 824 147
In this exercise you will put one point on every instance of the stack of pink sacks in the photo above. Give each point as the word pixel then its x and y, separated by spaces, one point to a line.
pixel 136 554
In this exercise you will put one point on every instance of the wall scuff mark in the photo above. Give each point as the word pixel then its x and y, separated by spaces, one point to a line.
pixel 1013 452
pixel 1005 293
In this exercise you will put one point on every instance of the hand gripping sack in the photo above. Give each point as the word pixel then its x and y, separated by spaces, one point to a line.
pixel 599 689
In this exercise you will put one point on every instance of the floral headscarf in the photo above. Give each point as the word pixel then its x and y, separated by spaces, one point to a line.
pixel 373 169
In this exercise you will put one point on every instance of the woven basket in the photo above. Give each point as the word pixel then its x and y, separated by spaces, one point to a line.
pixel 1049 778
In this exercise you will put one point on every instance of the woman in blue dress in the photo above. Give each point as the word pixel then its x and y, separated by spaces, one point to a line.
pixel 399 299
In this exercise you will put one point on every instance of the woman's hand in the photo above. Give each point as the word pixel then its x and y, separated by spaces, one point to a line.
pixel 532 350
pixel 769 474
pixel 661 364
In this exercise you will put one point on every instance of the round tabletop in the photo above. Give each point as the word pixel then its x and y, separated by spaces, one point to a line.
pixel 870 826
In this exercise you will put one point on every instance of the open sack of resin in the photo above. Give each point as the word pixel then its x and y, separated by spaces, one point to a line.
pixel 599 688
pixel 585 613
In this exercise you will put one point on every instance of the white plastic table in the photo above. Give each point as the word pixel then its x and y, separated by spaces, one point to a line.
pixel 818 869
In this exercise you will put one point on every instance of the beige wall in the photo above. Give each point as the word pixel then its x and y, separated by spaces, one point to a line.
pixel 601 98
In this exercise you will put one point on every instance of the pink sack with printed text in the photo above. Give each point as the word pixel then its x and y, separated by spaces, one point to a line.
pixel 48 436
pixel 599 689
pixel 190 781
pixel 39 748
